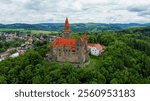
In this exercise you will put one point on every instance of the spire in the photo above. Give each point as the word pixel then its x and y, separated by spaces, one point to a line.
pixel 67 23
pixel 67 31
pixel 84 36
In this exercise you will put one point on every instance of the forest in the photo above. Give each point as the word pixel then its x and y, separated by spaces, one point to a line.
pixel 126 60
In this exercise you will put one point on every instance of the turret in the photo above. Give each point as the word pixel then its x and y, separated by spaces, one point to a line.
pixel 84 36
pixel 67 31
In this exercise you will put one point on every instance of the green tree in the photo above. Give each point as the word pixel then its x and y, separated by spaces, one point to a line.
pixel 2 80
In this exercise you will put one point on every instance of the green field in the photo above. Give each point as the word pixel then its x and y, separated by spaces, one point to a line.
pixel 42 31
pixel 27 31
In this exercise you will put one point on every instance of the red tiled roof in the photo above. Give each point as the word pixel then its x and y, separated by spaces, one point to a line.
pixel 84 36
pixel 64 42
pixel 67 31
pixel 67 26
pixel 67 23
pixel 98 46
pixel 91 45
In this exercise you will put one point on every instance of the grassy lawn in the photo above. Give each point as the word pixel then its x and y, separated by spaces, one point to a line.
pixel 94 62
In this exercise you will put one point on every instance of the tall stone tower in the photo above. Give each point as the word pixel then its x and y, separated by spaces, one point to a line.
pixel 66 31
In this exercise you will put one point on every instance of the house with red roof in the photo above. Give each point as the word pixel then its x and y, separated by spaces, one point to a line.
pixel 67 49
pixel 96 49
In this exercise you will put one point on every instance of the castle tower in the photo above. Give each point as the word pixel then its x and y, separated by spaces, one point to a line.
pixel 85 37
pixel 67 31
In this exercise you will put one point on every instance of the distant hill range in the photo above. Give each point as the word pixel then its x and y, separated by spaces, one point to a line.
pixel 78 27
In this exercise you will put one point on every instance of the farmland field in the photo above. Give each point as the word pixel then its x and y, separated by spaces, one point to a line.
pixel 27 31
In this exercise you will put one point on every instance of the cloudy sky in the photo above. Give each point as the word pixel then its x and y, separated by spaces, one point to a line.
pixel 98 11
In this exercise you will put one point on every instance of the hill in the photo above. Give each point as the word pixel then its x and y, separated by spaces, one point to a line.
pixel 142 30
pixel 76 27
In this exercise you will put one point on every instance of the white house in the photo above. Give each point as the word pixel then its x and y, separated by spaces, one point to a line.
pixel 2 59
pixel 96 49
pixel 14 55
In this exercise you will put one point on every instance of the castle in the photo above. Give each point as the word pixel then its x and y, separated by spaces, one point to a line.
pixel 67 49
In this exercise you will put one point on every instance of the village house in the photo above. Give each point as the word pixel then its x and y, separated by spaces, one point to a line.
pixel 21 50
pixel 1 59
pixel 42 37
pixel 9 37
pixel 29 41
pixel 14 55
pixel 6 54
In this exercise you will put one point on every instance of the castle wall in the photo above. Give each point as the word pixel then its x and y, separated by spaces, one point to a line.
pixel 63 54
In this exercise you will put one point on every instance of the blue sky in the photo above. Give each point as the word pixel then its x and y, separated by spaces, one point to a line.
pixel 98 11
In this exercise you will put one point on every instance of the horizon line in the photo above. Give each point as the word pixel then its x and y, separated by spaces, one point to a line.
pixel 74 23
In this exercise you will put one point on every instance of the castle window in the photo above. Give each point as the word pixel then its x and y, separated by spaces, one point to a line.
pixel 73 51
pixel 59 54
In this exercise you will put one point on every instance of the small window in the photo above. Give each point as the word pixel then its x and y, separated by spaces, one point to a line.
pixel 59 54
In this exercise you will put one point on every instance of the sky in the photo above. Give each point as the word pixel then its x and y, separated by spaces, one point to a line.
pixel 78 11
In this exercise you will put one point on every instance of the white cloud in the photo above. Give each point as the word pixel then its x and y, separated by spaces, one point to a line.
pixel 99 11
